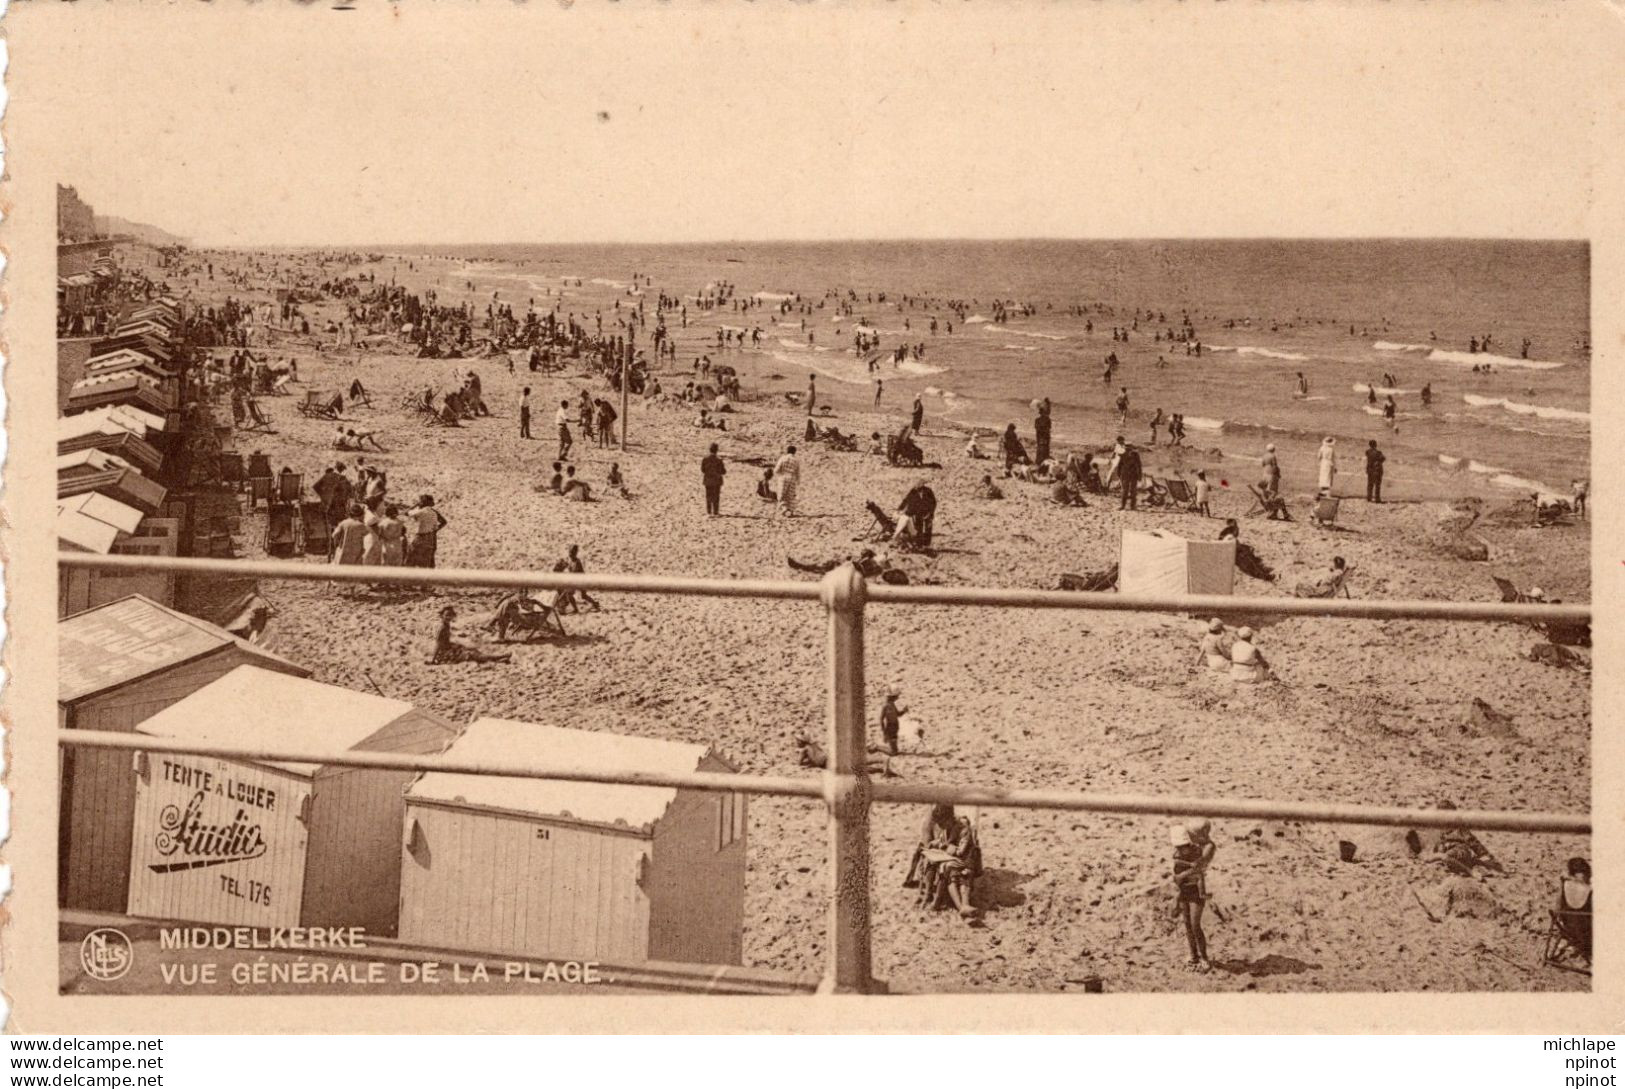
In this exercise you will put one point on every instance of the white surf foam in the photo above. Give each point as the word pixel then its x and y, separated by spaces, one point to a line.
pixel 1020 347
pixel 975 319
pixel 1545 412
pixel 1023 332
pixel 1361 387
pixel 911 366
pixel 1266 353
pixel 1390 346
pixel 1204 423
pixel 772 296
pixel 1473 359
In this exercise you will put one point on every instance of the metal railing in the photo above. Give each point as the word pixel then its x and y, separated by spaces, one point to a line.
pixel 845 787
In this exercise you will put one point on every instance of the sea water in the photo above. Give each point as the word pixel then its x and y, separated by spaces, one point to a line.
pixel 1341 312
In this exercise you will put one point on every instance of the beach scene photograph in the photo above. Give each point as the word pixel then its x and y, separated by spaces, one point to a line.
pixel 1241 498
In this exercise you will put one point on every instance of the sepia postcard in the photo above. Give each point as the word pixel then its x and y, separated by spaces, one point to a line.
pixel 788 517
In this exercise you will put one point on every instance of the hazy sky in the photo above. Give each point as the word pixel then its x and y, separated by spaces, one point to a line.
pixel 269 123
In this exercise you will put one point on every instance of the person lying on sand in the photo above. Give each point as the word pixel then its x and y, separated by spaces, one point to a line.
pixel 869 565
pixel 447 650
pixel 579 490
pixel 812 755
pixel 1248 562
pixel 946 863
pixel 350 439
pixel 1331 584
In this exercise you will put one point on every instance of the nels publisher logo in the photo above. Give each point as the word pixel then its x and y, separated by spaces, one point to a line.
pixel 106 954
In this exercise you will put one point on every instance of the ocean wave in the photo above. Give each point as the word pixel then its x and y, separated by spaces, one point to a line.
pixel 772 296
pixel 852 373
pixel 1023 332
pixel 1390 346
pixel 1020 347
pixel 1267 353
pixel 911 366
pixel 1204 423
pixel 1361 387
pixel 622 284
pixel 1545 412
pixel 794 345
pixel 975 319
pixel 1473 359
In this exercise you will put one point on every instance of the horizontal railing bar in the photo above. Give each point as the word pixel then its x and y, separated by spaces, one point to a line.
pixel 722 782
pixel 885 594
pixel 879 791
pixel 447 577
pixel 874 592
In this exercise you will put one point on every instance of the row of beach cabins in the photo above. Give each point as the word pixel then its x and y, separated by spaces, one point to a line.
pixel 498 866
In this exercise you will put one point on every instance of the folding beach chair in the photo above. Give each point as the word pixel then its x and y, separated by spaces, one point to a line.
pixel 1510 594
pixel 290 488
pixel 538 620
pixel 1179 492
pixel 254 418
pixel 1325 513
pixel 1272 505
pixel 260 489
pixel 1568 939
pixel 231 470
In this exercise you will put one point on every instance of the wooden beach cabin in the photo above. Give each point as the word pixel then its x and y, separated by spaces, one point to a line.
pixel 1159 562
pixel 547 868
pixel 117 665
pixel 318 846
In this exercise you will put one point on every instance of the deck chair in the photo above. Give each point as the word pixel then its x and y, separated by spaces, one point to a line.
pixel 231 470
pixel 1325 513
pixel 281 534
pixel 219 537
pixel 1510 594
pixel 534 617
pixel 260 489
pixel 314 531
pixel 1098 582
pixel 883 526
pixel 290 488
pixel 1568 939
pixel 359 395
pixel 254 417
pixel 258 464
pixel 1272 505
pixel 1179 492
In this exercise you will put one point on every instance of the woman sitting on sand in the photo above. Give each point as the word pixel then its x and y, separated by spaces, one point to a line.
pixel 1214 650
pixel 1247 665
pixel 973 450
pixel 764 487
pixel 1014 452
pixel 947 862
pixel 447 650
pixel 579 490
pixel 987 489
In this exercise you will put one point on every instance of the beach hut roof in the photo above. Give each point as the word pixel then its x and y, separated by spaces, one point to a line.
pixel 262 707
pixel 103 508
pixel 84 533
pixel 113 644
pixel 594 803
pixel 99 460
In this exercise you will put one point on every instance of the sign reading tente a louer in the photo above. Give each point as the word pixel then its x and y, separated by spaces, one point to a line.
pixel 217 842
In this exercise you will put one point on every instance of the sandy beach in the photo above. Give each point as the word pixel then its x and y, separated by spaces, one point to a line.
pixel 1363 712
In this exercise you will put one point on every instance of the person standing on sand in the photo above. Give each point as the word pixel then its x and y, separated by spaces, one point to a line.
pixel 1373 472
pixel 1192 857
pixel 918 417
pixel 562 418
pixel 350 537
pixel 1128 474
pixel 1041 431
pixel 1156 422
pixel 891 720
pixel 712 470
pixel 1272 471
pixel 1122 406
pixel 1328 464
pixel 524 414
pixel 812 392
pixel 788 472
pixel 426 523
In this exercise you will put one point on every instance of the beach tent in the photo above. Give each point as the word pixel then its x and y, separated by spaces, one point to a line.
pixel 117 441
pixel 1159 562
pixel 117 665
pixel 320 843
pixel 545 867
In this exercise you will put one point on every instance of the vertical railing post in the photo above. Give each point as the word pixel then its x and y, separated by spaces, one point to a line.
pixel 846 787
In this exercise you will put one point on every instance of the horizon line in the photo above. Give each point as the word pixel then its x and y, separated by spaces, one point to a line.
pixel 915 239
